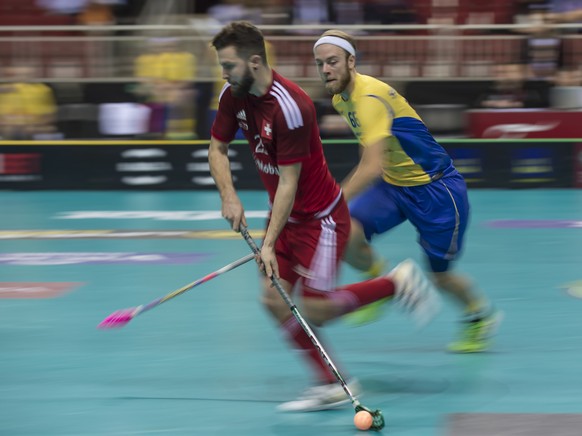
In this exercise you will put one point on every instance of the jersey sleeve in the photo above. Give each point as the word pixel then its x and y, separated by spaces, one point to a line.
pixel 375 117
pixel 225 124
pixel 293 132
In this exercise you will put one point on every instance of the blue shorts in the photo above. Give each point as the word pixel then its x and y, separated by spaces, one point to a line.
pixel 439 210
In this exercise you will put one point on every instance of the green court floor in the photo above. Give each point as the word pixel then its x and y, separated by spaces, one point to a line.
pixel 210 362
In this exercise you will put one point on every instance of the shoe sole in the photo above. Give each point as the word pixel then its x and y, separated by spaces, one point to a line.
pixel 331 406
pixel 356 391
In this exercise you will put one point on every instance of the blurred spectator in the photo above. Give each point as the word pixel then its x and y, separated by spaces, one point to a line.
pixel 543 54
pixel 277 12
pixel 528 11
pixel 233 10
pixel 348 12
pixel 96 13
pixel 27 110
pixel 100 53
pixel 569 76
pixel 567 92
pixel 564 11
pixel 65 7
pixel 389 12
pixel 166 73
pixel 542 50
pixel 74 7
pixel 311 12
pixel 509 90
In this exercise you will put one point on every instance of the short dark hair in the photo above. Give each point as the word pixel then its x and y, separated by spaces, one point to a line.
pixel 244 36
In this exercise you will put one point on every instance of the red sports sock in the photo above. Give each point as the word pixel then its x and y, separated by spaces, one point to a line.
pixel 300 340
pixel 359 294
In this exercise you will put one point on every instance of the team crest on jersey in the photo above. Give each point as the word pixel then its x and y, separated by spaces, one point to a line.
pixel 267 130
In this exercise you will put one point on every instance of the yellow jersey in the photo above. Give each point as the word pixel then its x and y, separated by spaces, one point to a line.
pixel 172 66
pixel 376 112
pixel 27 99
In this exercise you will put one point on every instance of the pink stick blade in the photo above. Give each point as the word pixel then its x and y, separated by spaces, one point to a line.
pixel 117 319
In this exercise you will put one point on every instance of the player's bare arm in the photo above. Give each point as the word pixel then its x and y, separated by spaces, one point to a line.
pixel 232 209
pixel 369 168
pixel 282 206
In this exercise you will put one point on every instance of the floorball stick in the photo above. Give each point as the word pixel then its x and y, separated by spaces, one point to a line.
pixel 121 317
pixel 378 419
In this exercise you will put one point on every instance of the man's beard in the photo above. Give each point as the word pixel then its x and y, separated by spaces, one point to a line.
pixel 340 84
pixel 241 89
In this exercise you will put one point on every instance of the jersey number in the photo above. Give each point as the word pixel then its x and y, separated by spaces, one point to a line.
pixel 353 119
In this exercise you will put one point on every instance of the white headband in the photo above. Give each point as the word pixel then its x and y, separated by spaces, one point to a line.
pixel 336 40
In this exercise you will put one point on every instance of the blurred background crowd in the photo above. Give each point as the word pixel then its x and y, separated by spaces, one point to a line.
pixel 80 69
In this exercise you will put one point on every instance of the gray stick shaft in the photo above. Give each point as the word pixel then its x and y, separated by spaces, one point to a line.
pixel 189 286
pixel 302 321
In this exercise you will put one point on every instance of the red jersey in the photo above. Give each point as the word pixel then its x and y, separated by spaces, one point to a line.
pixel 281 129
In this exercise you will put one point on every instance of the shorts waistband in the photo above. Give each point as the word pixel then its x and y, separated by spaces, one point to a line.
pixel 325 212
pixel 451 170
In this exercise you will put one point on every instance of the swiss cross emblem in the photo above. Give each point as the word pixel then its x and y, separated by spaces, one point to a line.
pixel 267 130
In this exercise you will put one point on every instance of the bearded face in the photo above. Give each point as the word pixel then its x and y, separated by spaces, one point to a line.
pixel 236 71
pixel 337 84
pixel 243 86
pixel 333 67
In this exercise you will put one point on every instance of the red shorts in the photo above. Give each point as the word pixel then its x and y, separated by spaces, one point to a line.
pixel 312 250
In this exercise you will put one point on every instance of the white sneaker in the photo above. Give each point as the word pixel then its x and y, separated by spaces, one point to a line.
pixel 415 293
pixel 323 397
